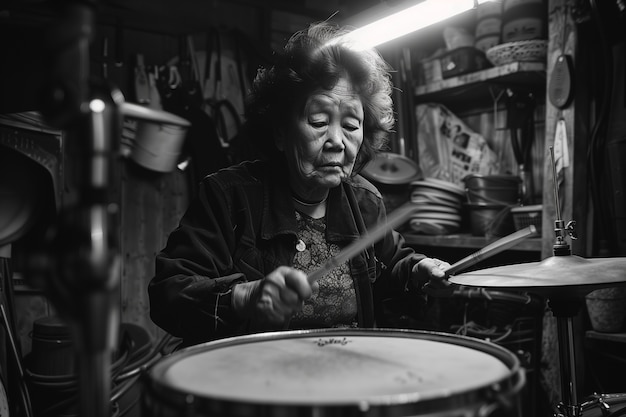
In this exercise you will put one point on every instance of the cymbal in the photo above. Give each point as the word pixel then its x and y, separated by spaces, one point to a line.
pixel 569 275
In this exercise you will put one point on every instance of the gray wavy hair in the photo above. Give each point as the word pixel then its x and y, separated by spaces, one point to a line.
pixel 315 58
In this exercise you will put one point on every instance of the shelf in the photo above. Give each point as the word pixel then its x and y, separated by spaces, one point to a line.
pixel 466 241
pixel 611 337
pixel 475 87
pixel 474 90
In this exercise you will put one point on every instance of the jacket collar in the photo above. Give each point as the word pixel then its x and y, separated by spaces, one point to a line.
pixel 279 212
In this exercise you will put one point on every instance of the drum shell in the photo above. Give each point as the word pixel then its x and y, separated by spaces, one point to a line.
pixel 163 399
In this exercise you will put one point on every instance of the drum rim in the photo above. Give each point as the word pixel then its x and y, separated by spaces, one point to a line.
pixel 401 404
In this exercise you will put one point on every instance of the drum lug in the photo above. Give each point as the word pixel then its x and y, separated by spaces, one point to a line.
pixel 501 399
pixel 486 410
pixel 568 411
pixel 605 406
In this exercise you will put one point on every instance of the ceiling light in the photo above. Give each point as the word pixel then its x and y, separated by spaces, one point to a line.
pixel 408 20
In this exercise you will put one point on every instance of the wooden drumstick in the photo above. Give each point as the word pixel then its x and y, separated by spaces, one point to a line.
pixel 492 249
pixel 399 216
pixel 446 289
pixel 395 219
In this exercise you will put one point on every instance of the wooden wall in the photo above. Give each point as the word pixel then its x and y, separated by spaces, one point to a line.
pixel 152 206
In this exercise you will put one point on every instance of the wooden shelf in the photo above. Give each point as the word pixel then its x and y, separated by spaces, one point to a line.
pixel 478 86
pixel 471 90
pixel 611 337
pixel 466 241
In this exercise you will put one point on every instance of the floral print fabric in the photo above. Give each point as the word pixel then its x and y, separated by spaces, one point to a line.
pixel 333 303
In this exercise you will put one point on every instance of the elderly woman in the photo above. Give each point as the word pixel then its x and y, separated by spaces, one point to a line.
pixel 238 262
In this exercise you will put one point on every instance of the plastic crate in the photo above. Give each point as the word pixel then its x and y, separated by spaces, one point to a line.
pixel 525 216
pixel 462 60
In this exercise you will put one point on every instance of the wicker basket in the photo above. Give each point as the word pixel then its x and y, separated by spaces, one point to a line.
pixel 534 50
pixel 525 216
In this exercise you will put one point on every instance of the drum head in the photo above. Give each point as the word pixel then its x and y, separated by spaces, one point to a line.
pixel 336 369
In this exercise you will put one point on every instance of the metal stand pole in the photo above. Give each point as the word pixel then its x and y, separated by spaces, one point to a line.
pixel 565 309
pixel 81 271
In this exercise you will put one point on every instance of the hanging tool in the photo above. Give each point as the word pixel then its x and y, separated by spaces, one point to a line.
pixel 560 87
pixel 142 87
pixel 521 124
pixel 189 74
pixel 561 84
pixel 212 90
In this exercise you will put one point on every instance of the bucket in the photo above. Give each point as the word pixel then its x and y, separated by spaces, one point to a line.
pixel 158 146
pixel 159 137
pixel 53 380
pixel 52 368
pixel 488 25
pixel 490 219
pixel 524 20
pixel 493 189
pixel 126 391
pixel 607 309
pixel 52 351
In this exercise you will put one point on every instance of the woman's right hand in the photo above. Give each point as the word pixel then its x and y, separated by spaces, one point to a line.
pixel 273 299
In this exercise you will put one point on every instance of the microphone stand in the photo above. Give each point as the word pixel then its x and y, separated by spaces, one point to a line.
pixel 80 266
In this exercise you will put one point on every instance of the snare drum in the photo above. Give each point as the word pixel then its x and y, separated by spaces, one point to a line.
pixel 336 372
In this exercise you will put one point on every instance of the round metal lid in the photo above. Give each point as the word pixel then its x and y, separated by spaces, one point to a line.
pixel 391 168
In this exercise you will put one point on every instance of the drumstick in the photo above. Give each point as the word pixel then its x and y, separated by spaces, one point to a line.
pixel 492 249
pixel 395 219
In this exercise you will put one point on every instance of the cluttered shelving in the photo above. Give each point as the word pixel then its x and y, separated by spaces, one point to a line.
pixel 478 86
pixel 517 73
pixel 472 89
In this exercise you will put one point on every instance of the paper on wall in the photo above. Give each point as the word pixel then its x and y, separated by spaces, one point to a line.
pixel 561 151
pixel 448 149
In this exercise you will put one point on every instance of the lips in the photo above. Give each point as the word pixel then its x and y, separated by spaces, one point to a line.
pixel 332 164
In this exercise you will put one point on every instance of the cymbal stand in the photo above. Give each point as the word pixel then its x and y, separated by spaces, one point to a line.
pixel 565 309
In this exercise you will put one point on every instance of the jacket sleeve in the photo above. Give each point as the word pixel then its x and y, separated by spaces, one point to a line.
pixel 397 258
pixel 190 292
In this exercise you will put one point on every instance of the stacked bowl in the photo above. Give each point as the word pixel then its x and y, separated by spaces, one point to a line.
pixel 438 206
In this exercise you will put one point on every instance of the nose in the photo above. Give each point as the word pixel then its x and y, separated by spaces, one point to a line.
pixel 335 137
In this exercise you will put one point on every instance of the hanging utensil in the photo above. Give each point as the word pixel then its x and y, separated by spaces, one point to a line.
pixel 141 84
pixel 520 119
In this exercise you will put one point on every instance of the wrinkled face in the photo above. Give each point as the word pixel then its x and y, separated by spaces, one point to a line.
pixel 321 143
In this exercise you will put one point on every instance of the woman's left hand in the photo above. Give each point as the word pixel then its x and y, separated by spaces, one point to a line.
pixel 431 271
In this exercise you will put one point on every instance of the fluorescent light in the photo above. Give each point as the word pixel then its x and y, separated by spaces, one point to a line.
pixel 409 20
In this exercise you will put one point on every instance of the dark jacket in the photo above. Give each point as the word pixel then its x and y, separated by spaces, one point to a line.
pixel 242 226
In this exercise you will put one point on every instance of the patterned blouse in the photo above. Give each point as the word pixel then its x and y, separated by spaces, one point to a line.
pixel 333 303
